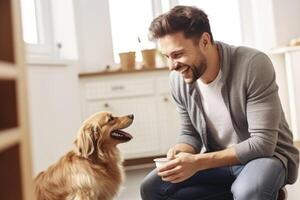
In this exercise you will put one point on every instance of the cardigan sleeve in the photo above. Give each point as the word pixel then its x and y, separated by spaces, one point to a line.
pixel 263 110
pixel 188 134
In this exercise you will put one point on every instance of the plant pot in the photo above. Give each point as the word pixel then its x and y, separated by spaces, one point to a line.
pixel 127 60
pixel 149 58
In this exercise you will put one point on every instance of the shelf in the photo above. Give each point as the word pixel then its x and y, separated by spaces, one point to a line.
pixel 118 71
pixel 9 137
pixel 7 70
pixel 282 50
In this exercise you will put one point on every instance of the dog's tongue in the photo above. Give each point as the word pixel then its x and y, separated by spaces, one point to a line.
pixel 119 134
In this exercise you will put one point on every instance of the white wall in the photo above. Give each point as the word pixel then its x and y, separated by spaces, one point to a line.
pixel 273 23
pixel 64 29
pixel 270 24
pixel 53 86
pixel 94 34
pixel 263 24
pixel 287 20
pixel 54 111
pixel 281 79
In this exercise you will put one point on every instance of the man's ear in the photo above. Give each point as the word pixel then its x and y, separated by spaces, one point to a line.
pixel 84 145
pixel 204 40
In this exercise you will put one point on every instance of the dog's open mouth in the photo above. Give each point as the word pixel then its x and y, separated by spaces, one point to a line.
pixel 121 135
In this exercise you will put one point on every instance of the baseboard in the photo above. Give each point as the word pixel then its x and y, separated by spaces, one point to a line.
pixel 141 166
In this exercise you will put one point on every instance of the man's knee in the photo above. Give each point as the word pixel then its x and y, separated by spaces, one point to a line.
pixel 262 184
pixel 244 191
pixel 145 188
pixel 151 186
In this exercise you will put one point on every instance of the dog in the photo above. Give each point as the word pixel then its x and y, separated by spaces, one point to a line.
pixel 93 169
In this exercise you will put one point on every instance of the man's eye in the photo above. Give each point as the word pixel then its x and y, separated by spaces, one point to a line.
pixel 177 55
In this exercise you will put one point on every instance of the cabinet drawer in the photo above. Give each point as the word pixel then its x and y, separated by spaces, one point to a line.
pixel 116 89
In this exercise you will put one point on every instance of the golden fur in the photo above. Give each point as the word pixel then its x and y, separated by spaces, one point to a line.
pixel 93 170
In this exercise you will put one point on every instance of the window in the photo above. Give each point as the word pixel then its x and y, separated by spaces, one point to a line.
pixel 29 17
pixel 129 21
pixel 224 17
pixel 37 29
pixel 49 29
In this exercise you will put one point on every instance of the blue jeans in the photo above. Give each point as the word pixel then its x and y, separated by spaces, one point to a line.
pixel 259 179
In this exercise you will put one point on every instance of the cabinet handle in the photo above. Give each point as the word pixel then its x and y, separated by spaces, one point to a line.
pixel 117 87
pixel 106 105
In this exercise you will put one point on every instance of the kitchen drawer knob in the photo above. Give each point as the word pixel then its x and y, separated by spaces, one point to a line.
pixel 106 105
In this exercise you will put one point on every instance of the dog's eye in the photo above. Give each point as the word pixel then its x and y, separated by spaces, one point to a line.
pixel 110 118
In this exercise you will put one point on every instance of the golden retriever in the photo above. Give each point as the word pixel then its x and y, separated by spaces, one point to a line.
pixel 93 170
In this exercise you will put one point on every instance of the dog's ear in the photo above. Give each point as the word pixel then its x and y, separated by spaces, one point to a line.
pixel 84 145
pixel 96 131
pixel 100 146
pixel 100 151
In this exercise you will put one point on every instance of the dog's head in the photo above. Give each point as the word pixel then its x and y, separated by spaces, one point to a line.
pixel 102 132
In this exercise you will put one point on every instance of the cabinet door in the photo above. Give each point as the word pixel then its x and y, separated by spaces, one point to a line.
pixel 168 121
pixel 146 141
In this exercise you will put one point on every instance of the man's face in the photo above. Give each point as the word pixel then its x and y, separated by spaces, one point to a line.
pixel 184 56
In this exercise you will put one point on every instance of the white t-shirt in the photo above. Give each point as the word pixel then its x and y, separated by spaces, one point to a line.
pixel 221 133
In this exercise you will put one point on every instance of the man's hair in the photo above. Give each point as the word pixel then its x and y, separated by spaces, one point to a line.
pixel 193 22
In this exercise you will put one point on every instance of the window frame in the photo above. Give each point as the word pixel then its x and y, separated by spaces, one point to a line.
pixel 45 47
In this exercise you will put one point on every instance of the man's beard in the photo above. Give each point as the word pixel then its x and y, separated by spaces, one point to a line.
pixel 198 71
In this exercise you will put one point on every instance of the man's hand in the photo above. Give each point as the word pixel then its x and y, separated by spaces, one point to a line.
pixel 181 147
pixel 182 167
pixel 172 152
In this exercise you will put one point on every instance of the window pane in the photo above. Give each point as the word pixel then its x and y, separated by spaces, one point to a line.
pixel 224 18
pixel 165 5
pixel 29 21
pixel 129 21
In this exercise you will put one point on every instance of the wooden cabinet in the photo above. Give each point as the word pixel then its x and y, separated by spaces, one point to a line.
pixel 144 94
pixel 16 180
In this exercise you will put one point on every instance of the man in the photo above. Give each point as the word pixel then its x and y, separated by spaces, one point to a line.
pixel 234 141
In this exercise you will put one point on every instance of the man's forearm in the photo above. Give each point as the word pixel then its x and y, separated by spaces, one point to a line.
pixel 183 147
pixel 216 159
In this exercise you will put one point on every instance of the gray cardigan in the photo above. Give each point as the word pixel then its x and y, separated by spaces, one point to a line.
pixel 250 93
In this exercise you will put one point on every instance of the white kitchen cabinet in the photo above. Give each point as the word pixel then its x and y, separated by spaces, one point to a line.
pixel 145 94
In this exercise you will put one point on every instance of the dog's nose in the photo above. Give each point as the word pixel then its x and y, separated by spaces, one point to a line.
pixel 130 116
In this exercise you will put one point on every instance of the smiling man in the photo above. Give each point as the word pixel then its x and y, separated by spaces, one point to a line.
pixel 234 141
